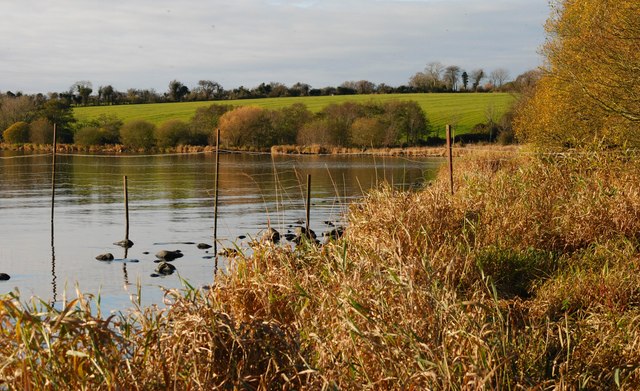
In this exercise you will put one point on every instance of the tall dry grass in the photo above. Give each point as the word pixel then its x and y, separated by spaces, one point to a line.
pixel 527 278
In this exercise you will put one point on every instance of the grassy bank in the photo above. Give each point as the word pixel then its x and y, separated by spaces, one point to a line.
pixel 528 277
pixel 464 110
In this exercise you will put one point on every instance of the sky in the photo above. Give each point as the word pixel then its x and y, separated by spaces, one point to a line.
pixel 47 46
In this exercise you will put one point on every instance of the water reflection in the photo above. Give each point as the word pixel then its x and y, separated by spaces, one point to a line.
pixel 171 201
pixel 54 288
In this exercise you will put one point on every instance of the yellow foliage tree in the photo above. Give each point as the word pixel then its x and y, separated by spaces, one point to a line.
pixel 589 92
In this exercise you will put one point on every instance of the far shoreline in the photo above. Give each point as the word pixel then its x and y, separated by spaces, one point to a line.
pixel 428 151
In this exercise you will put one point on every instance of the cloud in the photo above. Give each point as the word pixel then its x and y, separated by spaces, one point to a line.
pixel 145 44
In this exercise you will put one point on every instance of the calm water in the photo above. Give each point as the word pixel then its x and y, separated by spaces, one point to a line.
pixel 170 202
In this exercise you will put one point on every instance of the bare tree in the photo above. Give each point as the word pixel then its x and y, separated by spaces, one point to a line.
pixel 451 76
pixel 476 78
pixel 208 89
pixel 365 87
pixel 498 77
pixel 434 72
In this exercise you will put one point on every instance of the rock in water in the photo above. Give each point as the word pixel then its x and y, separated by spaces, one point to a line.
pixel 165 268
pixel 204 246
pixel 168 255
pixel 4 277
pixel 270 235
pixel 126 243
pixel 105 257
pixel 335 233
pixel 302 231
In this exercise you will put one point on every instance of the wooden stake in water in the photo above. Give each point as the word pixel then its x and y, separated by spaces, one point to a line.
pixel 450 157
pixel 126 208
pixel 215 192
pixel 308 204
pixel 53 174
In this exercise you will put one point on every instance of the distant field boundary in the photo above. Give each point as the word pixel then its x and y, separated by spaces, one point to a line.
pixel 462 110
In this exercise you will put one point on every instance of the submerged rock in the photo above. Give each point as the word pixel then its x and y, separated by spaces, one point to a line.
pixel 168 255
pixel 4 277
pixel 204 246
pixel 270 235
pixel 165 268
pixel 105 257
pixel 126 243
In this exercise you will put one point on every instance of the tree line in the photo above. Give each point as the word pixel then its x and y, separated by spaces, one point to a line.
pixel 436 77
pixel 348 124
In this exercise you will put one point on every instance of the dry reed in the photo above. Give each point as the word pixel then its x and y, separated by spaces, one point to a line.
pixel 526 278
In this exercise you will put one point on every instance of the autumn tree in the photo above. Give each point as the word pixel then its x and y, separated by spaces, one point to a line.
pixel 589 90
pixel 246 126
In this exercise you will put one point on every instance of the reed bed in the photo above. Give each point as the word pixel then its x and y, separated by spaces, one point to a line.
pixel 526 278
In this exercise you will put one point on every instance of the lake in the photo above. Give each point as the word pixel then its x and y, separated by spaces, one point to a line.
pixel 171 203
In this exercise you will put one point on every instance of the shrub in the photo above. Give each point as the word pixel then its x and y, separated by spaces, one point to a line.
pixel 89 135
pixel 246 126
pixel 205 122
pixel 339 120
pixel 315 132
pixel 109 126
pixel 172 133
pixel 406 120
pixel 369 132
pixel 17 133
pixel 288 121
pixel 42 132
pixel 138 134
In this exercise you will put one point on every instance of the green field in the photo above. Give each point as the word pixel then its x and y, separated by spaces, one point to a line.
pixel 461 110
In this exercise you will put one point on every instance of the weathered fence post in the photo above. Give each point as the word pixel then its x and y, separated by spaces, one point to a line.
pixel 450 156
pixel 215 191
pixel 126 210
pixel 53 174
pixel 308 206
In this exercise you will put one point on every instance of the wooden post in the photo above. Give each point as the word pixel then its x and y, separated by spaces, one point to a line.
pixel 126 209
pixel 450 157
pixel 215 191
pixel 308 204
pixel 53 174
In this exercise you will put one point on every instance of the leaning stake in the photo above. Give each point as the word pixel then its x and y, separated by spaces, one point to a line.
pixel 450 157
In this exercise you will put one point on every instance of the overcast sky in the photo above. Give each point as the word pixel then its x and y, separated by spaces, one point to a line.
pixel 48 45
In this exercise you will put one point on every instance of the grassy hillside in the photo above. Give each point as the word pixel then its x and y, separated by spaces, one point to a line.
pixel 463 110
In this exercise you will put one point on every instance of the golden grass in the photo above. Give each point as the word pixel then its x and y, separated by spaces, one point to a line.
pixel 527 278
